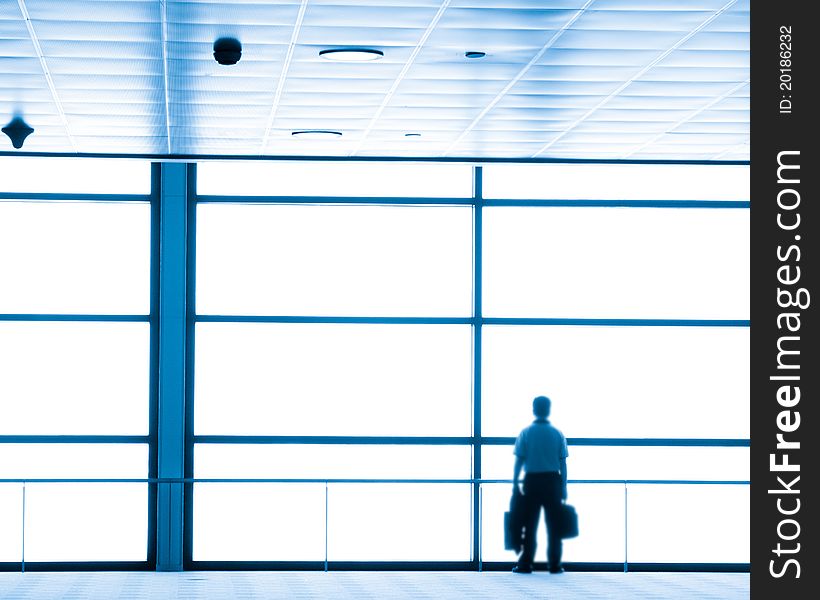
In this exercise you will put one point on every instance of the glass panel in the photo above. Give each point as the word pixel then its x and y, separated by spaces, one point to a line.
pixel 317 461
pixel 600 522
pixel 259 521
pixel 688 523
pixel 334 260
pixel 11 522
pixel 616 182
pixel 677 382
pixel 616 263
pixel 65 378
pixel 635 462
pixel 331 379
pixel 73 461
pixel 86 521
pixel 75 257
pixel 399 522
pixel 384 180
pixel 75 175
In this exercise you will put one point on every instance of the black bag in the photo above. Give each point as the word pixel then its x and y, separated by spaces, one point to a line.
pixel 568 522
pixel 514 523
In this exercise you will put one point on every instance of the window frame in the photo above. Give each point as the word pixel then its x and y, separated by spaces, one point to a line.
pixel 476 321
pixel 153 198
pixel 476 441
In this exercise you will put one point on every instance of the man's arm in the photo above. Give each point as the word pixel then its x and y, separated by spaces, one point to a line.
pixel 519 463
pixel 563 478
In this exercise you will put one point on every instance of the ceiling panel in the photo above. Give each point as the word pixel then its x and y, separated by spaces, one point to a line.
pixel 560 78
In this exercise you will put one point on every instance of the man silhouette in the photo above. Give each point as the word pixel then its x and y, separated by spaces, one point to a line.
pixel 542 452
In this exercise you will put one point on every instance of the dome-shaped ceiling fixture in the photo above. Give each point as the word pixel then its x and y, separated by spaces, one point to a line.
pixel 17 130
pixel 351 54
pixel 227 51
pixel 475 54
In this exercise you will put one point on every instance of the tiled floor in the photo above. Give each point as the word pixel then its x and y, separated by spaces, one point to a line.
pixel 363 586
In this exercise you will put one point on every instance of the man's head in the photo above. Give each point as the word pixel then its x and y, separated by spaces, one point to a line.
pixel 541 407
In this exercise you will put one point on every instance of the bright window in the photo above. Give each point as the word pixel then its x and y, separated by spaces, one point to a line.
pixel 11 522
pixel 332 379
pixel 399 522
pixel 75 521
pixel 86 522
pixel 688 523
pixel 64 378
pixel 334 260
pixel 259 521
pixel 73 461
pixel 332 461
pixel 616 182
pixel 616 263
pixel 289 178
pixel 635 462
pixel 25 174
pixel 75 257
pixel 675 382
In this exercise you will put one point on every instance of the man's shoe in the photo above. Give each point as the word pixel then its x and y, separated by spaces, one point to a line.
pixel 557 570
pixel 521 569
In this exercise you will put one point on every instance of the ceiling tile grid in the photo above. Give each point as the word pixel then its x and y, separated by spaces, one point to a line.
pixel 615 79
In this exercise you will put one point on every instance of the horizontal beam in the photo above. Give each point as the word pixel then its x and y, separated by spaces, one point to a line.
pixel 74 439
pixel 78 566
pixel 619 322
pixel 329 200
pixel 369 440
pixel 478 160
pixel 179 480
pixel 25 196
pixel 83 318
pixel 702 442
pixel 723 204
pixel 375 566
pixel 334 439
pixel 354 320
pixel 459 440
pixel 507 203
pixel 473 321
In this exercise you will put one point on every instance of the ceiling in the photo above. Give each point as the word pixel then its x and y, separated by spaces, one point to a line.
pixel 608 79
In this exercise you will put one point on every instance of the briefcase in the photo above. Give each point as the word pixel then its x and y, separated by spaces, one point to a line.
pixel 514 524
pixel 568 522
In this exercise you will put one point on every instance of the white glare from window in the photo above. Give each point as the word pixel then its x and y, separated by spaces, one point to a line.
pixel 616 182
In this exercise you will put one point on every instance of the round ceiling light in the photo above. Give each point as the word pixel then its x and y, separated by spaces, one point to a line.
pixel 475 54
pixel 316 134
pixel 351 54
pixel 412 135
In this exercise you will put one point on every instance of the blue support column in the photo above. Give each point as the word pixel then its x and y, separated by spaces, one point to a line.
pixel 478 197
pixel 171 385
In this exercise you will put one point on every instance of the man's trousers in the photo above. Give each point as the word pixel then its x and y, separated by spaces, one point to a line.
pixel 542 490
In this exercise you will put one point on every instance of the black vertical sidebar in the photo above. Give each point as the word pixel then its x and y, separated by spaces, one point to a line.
pixel 784 228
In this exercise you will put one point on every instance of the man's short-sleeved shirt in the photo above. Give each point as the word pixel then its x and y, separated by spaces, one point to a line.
pixel 542 447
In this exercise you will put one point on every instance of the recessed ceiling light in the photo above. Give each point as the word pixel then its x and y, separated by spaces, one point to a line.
pixel 316 134
pixel 351 54
pixel 475 54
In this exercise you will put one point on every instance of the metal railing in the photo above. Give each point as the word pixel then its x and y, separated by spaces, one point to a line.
pixel 327 482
